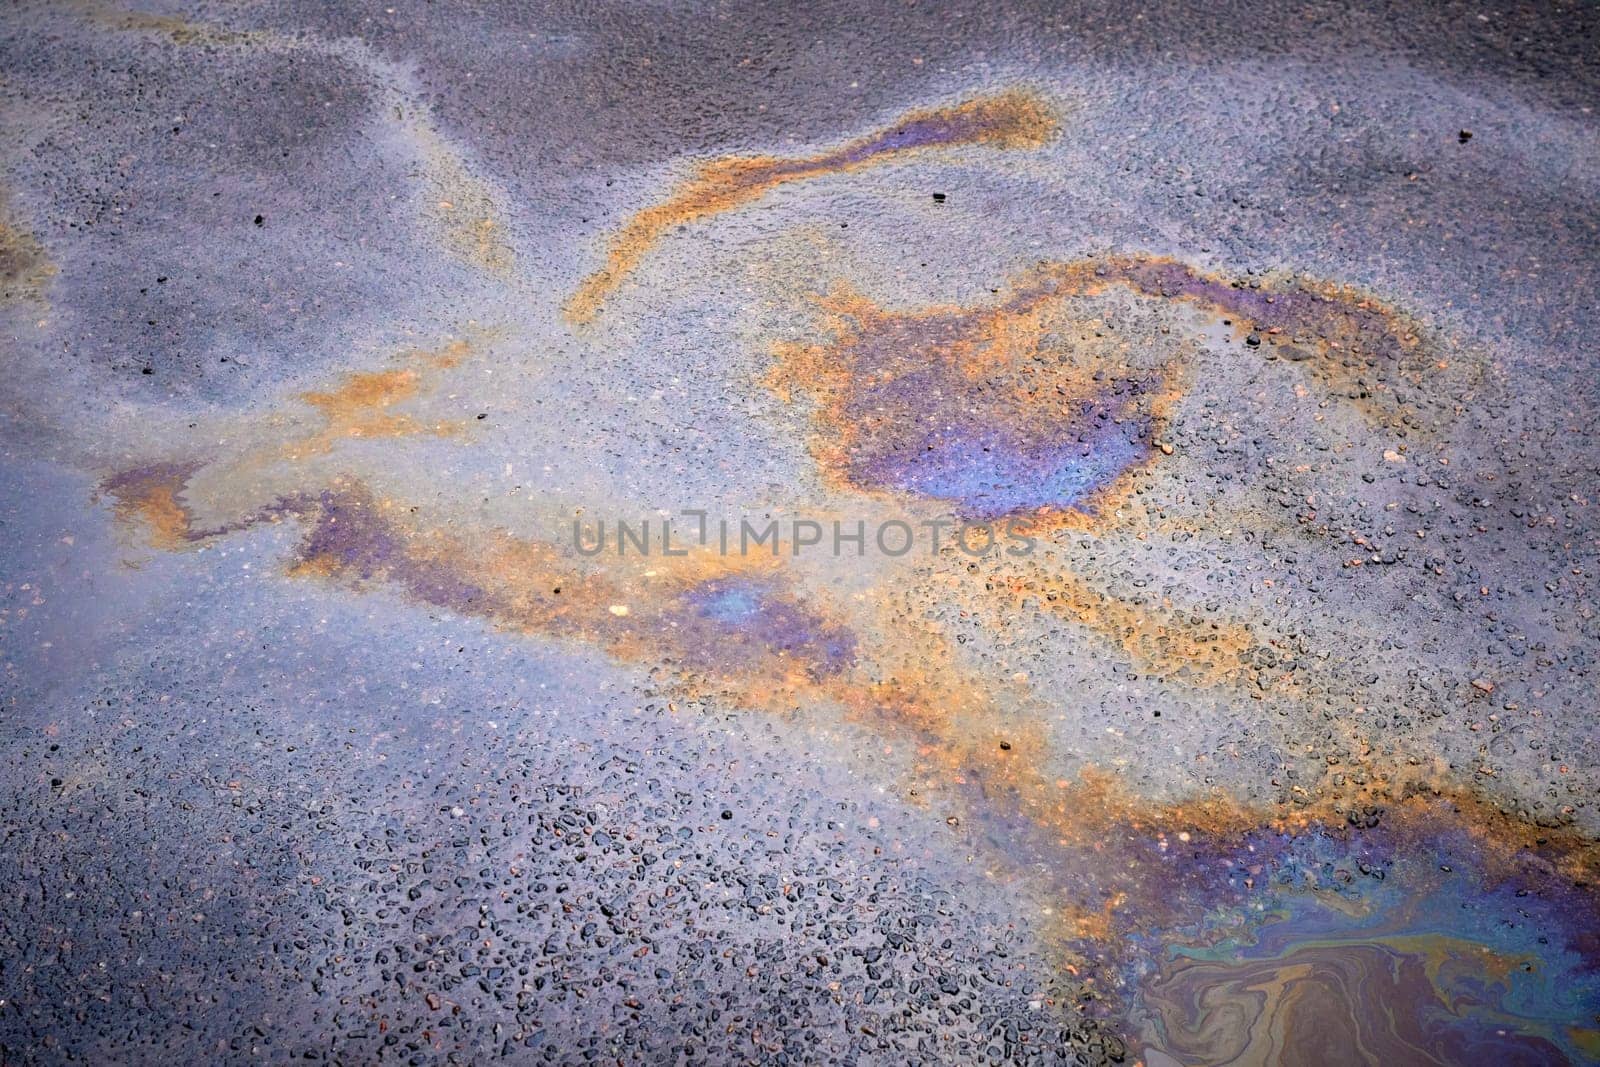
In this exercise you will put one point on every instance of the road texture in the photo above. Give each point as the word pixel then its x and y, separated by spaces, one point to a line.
pixel 912 533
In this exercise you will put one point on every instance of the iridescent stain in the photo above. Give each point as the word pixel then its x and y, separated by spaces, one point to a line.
pixel 1226 933
pixel 1013 119
pixel 995 411
pixel 1442 934
pixel 1370 947
pixel 734 620
pixel 1022 406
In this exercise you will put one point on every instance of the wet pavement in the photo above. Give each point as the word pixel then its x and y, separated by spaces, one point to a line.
pixel 745 533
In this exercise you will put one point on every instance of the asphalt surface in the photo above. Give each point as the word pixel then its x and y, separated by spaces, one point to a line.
pixel 757 533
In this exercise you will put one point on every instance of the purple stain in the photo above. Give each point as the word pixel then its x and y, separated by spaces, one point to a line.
pixel 924 426
pixel 956 407
pixel 439 585
pixel 1277 307
pixel 140 480
pixel 1407 936
pixel 1177 281
pixel 989 472
pixel 737 621
pixel 928 131
pixel 350 538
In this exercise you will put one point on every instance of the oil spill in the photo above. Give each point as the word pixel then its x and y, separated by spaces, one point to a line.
pixel 721 624
pixel 1014 119
pixel 995 411
pixel 1371 946
pixel 1177 909
pixel 1229 934
pixel 1278 748
pixel 1394 913
pixel 1182 644
pixel 364 403
pixel 149 497
pixel 1425 930
pixel 1020 408
pixel 1353 345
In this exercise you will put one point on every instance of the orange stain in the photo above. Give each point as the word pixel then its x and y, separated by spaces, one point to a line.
pixel 363 404
pixel 1159 639
pixel 992 391
pixel 150 498
pixel 1015 119
pixel 1022 408
pixel 1355 346
pixel 977 744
